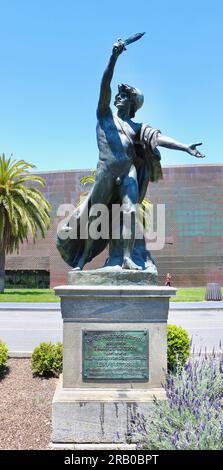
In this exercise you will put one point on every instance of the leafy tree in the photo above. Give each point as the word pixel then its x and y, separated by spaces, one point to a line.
pixel 23 209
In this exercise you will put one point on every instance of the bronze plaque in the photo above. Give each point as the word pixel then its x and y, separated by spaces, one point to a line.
pixel 115 355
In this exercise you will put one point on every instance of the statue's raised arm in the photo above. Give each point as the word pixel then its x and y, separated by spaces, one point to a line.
pixel 105 91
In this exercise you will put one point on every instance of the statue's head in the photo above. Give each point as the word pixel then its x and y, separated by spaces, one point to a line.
pixel 129 97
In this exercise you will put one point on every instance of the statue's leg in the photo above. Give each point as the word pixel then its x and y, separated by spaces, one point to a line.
pixel 101 194
pixel 129 196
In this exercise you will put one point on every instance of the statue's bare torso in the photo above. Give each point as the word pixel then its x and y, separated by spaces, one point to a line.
pixel 115 139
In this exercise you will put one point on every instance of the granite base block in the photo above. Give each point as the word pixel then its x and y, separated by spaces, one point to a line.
pixel 99 416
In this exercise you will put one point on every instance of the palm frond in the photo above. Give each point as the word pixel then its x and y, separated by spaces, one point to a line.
pixel 82 198
pixel 20 193
pixel 89 179
pixel 19 167
pixel 37 179
pixel 146 207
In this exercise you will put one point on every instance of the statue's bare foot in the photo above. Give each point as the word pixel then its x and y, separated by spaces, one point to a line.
pixel 129 264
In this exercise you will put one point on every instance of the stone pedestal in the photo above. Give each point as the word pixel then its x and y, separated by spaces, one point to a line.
pixel 93 405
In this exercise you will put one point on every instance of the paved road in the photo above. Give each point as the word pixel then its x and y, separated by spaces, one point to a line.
pixel 205 327
pixel 23 329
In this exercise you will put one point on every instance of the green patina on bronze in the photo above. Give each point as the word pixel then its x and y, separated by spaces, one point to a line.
pixel 115 355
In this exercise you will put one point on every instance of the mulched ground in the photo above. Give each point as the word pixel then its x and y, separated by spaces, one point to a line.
pixel 25 407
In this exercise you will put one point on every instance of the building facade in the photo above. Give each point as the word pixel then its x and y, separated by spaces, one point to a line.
pixel 192 245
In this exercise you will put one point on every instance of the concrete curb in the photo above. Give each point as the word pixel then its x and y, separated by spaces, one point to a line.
pixel 29 306
pixel 19 354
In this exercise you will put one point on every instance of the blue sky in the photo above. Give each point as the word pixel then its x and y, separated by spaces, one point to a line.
pixel 52 56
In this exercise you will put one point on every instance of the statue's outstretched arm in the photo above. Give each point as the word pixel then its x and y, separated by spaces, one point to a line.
pixel 168 142
pixel 105 91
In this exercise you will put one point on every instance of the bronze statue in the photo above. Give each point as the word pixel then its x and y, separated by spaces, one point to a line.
pixel 128 159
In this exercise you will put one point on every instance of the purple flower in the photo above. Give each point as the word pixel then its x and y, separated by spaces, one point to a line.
pixel 195 410
pixel 175 438
pixel 202 426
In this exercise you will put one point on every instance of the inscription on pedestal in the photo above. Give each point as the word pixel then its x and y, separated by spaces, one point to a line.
pixel 115 355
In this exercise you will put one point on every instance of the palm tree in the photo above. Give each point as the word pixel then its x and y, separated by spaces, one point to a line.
pixel 23 209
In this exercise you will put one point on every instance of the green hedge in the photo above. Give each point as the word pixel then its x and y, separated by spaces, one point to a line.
pixel 178 346
pixel 3 355
pixel 47 359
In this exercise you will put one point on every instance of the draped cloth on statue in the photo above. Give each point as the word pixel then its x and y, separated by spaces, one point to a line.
pixel 71 243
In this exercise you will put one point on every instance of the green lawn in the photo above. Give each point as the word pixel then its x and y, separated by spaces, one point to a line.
pixel 190 294
pixel 29 295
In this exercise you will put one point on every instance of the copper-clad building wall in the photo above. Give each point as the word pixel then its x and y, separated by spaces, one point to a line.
pixel 193 248
pixel 193 251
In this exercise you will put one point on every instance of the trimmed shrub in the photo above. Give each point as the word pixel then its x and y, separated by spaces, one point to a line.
pixel 3 355
pixel 178 347
pixel 47 359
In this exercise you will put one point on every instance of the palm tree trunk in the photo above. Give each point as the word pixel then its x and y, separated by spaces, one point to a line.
pixel 2 269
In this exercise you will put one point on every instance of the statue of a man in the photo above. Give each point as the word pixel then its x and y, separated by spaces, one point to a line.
pixel 128 159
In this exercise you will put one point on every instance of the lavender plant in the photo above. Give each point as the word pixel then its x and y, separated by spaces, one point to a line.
pixel 192 417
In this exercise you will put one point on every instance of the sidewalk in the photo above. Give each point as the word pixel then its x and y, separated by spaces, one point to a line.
pixel 210 305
